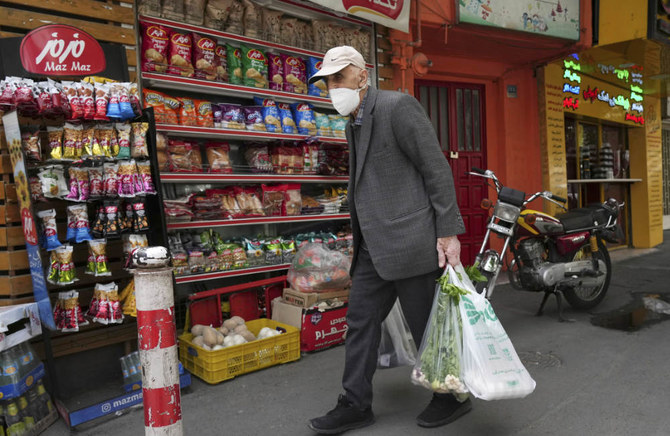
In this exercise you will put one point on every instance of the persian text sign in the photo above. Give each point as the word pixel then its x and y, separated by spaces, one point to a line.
pixel 390 13
pixel 60 50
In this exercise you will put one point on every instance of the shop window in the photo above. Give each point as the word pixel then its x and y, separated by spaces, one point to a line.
pixel 596 156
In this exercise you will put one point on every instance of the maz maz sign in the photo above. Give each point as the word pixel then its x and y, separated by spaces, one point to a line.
pixel 60 50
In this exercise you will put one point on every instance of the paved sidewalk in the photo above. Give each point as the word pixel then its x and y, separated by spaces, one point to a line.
pixel 590 380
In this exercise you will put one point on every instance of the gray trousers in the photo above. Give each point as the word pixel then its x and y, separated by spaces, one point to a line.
pixel 370 300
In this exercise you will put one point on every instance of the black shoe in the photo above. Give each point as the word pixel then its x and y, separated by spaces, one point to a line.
pixel 345 416
pixel 442 410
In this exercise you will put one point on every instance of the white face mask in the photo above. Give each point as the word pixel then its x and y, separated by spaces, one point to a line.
pixel 345 100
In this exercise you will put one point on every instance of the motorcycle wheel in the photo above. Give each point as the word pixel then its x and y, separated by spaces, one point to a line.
pixel 584 298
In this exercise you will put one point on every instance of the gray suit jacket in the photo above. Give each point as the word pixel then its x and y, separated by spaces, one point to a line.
pixel 401 193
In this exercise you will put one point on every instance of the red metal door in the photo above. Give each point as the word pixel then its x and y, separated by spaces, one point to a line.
pixel 457 113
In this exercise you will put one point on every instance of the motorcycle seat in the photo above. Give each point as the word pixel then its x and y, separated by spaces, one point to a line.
pixel 582 218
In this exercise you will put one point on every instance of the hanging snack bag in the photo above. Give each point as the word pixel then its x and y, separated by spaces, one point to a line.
pixel 102 101
pixel 232 116
pixel 187 112
pixel 141 222
pixel 50 232
pixel 204 57
pixel 30 141
pixel 83 182
pixel 98 226
pixel 115 310
pixel 134 97
pixel 111 181
pixel 179 55
pixel 76 108
pixel 53 182
pixel 275 72
pixel 295 74
pixel 218 157
pixel 100 313
pixel 286 116
pixel 304 117
pixel 155 41
pixel 111 218
pixel 82 231
pixel 123 131
pixel 270 114
pixel 126 219
pixel 127 172
pixel 221 63
pixel 67 272
pixel 35 186
pixel 318 88
pixel 98 247
pixel 254 251
pixel 102 141
pixel 85 150
pixel 74 184
pixel 95 179
pixel 125 100
pixel 144 176
pixel 54 268
pixel 234 62
pixel 288 250
pixel 55 146
pixel 154 99
pixel 255 67
pixel 71 140
pixel 138 145
pixel 85 91
pixel 204 115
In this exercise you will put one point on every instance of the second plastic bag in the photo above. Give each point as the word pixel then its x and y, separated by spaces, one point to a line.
pixel 316 268
pixel 397 347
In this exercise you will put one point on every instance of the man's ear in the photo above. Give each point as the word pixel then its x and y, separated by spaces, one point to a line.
pixel 364 78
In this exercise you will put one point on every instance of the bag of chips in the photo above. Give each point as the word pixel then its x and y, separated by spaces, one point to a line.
pixel 255 67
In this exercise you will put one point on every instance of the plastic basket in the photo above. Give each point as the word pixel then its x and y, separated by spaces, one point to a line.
pixel 217 366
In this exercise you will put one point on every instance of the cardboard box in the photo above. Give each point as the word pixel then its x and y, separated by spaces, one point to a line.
pixel 318 329
pixel 309 299
pixel 32 326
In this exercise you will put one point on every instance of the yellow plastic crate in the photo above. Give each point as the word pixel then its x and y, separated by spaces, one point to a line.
pixel 217 366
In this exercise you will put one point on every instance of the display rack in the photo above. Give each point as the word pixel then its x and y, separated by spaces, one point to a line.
pixel 198 89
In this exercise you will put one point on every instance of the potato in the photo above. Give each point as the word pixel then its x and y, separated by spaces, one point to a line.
pixel 210 337
pixel 224 331
pixel 219 338
pixel 199 341
pixel 246 334
pixel 238 320
pixel 197 329
pixel 240 328
pixel 230 324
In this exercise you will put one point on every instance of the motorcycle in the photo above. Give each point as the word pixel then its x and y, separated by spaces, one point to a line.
pixel 563 255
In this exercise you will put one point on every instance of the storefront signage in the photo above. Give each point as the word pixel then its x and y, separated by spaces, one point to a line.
pixel 602 98
pixel 558 18
pixel 390 13
pixel 60 50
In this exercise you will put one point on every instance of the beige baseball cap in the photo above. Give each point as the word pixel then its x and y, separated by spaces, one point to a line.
pixel 336 59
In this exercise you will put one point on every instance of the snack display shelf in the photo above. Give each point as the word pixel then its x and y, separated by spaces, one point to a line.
pixel 230 273
pixel 248 178
pixel 165 81
pixel 257 220
pixel 232 134
pixel 233 37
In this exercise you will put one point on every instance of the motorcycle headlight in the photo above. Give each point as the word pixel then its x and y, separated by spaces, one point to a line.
pixel 506 212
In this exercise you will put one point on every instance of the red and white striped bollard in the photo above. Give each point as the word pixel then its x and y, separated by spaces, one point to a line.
pixel 157 342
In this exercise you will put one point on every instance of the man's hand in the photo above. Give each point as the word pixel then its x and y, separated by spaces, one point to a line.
pixel 448 249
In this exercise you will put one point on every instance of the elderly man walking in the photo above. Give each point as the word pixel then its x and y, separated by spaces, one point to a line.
pixel 405 220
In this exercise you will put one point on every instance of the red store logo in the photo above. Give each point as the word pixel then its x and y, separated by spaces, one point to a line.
pixel 386 8
pixel 60 50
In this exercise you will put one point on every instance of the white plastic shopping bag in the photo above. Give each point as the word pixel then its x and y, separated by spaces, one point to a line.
pixel 490 366
pixel 397 347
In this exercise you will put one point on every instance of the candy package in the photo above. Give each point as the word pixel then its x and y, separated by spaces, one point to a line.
pixel 55 144
pixel 95 179
pixel 127 174
pixel 138 146
pixel 50 232
pixel 30 141
pixel 111 179
pixel 97 258
pixel 78 219
pixel 144 177
pixel 123 139
pixel 72 135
